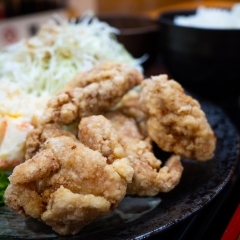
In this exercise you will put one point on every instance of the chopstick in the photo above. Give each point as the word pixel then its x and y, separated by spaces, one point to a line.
pixel 233 229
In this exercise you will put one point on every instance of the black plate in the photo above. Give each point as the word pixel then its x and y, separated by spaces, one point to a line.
pixel 200 183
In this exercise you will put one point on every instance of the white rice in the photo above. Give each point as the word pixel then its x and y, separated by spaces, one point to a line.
pixel 212 18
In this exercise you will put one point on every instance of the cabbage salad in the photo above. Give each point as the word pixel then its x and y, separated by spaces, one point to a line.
pixel 34 69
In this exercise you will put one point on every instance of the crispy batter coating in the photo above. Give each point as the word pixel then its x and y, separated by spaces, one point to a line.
pixel 175 120
pixel 92 92
pixel 67 184
pixel 97 133
pixel 130 106
pixel 149 177
pixel 38 136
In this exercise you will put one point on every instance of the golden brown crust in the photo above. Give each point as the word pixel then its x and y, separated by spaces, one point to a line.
pixel 149 177
pixel 24 200
pixel 130 106
pixel 92 92
pixel 97 133
pixel 175 120
pixel 77 210
pixel 38 136
pixel 70 183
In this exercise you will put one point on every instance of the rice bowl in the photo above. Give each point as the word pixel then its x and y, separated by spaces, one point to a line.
pixel 204 60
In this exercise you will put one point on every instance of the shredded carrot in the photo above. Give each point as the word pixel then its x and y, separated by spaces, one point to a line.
pixel 3 127
pixel 24 126
pixel 4 164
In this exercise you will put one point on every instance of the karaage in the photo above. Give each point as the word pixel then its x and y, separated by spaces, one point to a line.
pixel 176 121
pixel 38 136
pixel 92 92
pixel 66 184
pixel 130 106
pixel 150 177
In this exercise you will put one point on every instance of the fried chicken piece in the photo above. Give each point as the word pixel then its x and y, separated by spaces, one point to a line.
pixel 149 177
pixel 105 139
pixel 67 184
pixel 130 106
pixel 38 136
pixel 176 121
pixel 92 92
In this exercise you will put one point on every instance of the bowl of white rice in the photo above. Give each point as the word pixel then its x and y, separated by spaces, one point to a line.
pixel 201 49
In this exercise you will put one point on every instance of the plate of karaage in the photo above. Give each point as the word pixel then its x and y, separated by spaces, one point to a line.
pixel 125 172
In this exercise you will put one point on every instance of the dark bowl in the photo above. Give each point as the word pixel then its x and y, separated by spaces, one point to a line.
pixel 204 60
pixel 139 34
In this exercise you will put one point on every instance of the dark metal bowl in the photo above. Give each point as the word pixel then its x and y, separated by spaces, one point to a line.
pixel 139 34
pixel 204 60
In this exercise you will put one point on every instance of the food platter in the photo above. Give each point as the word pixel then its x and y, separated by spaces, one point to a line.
pixel 143 217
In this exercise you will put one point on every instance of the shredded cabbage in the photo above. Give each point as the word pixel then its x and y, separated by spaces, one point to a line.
pixel 45 62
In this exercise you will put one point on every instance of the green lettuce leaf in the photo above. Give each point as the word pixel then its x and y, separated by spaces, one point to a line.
pixel 3 185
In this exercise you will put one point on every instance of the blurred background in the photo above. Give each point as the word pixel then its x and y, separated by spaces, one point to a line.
pixel 12 8
pixel 21 18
